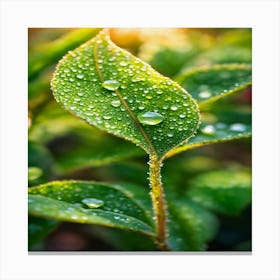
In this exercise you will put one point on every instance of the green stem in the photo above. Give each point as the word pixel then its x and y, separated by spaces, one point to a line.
pixel 159 203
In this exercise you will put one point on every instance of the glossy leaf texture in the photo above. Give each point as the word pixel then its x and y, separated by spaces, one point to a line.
pixel 209 84
pixel 224 191
pixel 91 203
pixel 190 226
pixel 212 133
pixel 117 92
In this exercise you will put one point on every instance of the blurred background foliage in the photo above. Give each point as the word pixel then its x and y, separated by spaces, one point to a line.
pixel 212 182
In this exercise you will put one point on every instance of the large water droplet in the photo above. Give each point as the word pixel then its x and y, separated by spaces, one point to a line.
pixel 238 127
pixel 208 130
pixel 116 103
pixel 150 118
pixel 111 84
pixel 93 202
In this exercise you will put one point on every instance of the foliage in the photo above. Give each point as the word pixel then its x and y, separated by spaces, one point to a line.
pixel 88 167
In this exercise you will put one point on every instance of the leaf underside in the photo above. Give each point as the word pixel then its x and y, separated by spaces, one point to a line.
pixel 77 85
pixel 63 201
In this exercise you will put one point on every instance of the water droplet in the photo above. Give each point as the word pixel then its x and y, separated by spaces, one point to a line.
pixel 182 116
pixel 173 108
pixel 80 76
pixel 141 107
pixel 239 127
pixel 208 130
pixel 111 84
pixel 123 63
pixel 137 78
pixel 80 94
pixel 170 135
pixel 93 202
pixel 107 117
pixel 150 118
pixel 204 94
pixel 116 103
pixel 148 96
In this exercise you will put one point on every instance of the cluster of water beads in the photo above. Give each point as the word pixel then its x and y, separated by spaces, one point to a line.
pixel 120 71
pixel 212 129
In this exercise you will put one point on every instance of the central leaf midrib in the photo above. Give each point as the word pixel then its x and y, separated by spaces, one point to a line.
pixel 131 114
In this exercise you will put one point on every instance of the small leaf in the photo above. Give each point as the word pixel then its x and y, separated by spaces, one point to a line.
pixel 208 84
pixel 190 226
pixel 212 133
pixel 91 80
pixel 64 201
pixel 38 229
pixel 227 192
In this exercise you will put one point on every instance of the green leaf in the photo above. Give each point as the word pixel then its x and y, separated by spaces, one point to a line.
pixel 111 89
pixel 227 191
pixel 68 201
pixel 212 133
pixel 190 226
pixel 38 229
pixel 209 84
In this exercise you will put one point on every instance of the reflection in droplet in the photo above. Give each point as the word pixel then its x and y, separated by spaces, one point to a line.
pixel 173 107
pixel 208 130
pixel 80 76
pixel 116 103
pixel 238 127
pixel 111 84
pixel 204 94
pixel 93 202
pixel 150 118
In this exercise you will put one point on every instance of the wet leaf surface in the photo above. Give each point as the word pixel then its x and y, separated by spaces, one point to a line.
pixel 111 89
pixel 65 201
pixel 209 84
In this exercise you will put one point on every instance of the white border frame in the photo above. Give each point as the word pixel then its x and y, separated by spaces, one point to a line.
pixel 262 16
